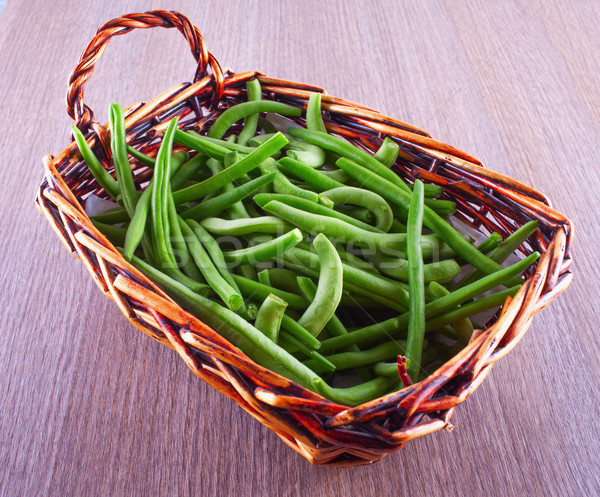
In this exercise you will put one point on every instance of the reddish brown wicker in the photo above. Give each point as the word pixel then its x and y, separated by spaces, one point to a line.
pixel 324 432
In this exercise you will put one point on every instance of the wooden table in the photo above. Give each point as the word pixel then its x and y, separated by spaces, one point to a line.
pixel 90 406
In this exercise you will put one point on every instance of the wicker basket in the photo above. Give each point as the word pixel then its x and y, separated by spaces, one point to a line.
pixel 324 432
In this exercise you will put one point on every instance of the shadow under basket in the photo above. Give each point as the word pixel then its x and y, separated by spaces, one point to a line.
pixel 322 431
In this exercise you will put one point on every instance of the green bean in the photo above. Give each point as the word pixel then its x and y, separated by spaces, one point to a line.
pixel 464 327
pixel 290 342
pixel 141 157
pixel 416 282
pixel 387 368
pixel 270 314
pixel 388 152
pixel 347 360
pixel 264 278
pixel 137 227
pixel 284 279
pixel 346 149
pixel 247 271
pixel 314 119
pixel 104 179
pixel 231 147
pixel 254 91
pixel 363 198
pixel 238 227
pixel 398 227
pixel 353 396
pixel 229 295
pixel 197 142
pixel 341 231
pixel 329 289
pixel 187 171
pixel 118 148
pixel 266 125
pixel 470 309
pixel 399 197
pixel 310 155
pixel 227 199
pixel 312 176
pixel 442 208
pixel 337 175
pixel 255 290
pixel 264 251
pixel 283 185
pixel 115 234
pixel 501 253
pixel 234 329
pixel 362 282
pixel 359 213
pixel 111 216
pixel 308 206
pixel 432 309
pixel 334 326
pixel 216 255
pixel 297 330
pixel 240 111
pixel 178 243
pixel 442 271
pixel 232 173
pixel 490 243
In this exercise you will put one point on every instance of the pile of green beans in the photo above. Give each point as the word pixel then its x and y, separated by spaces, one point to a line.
pixel 309 254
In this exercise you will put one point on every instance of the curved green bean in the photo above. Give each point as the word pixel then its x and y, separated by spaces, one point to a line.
pixel 363 198
pixel 263 251
pixel 387 152
pixel 270 315
pixel 240 111
pixel 329 288
pixel 312 176
pixel 442 271
pixel 314 118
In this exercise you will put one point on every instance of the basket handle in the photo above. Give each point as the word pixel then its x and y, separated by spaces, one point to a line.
pixel 81 113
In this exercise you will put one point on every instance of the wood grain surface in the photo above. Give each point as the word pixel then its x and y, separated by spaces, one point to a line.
pixel 90 406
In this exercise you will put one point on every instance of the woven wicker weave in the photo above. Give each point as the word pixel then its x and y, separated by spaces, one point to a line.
pixel 324 432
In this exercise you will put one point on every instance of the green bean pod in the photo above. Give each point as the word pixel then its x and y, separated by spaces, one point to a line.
pixel 263 251
pixel 104 179
pixel 314 118
pixel 416 283
pixel 245 109
pixel 254 92
pixel 329 288
pixel 387 152
pixel 118 147
pixel 363 198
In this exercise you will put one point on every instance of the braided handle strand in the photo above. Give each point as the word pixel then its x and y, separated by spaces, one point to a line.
pixel 81 113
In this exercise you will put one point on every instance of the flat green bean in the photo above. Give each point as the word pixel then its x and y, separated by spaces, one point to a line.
pixel 270 315
pixel 238 227
pixel 266 250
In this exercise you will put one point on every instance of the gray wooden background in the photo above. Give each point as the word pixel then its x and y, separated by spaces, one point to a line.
pixel 90 406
